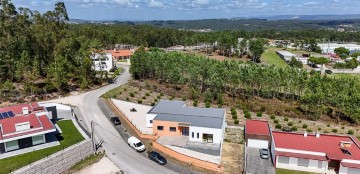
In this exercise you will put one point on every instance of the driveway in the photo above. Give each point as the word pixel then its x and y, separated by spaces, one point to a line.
pixel 256 165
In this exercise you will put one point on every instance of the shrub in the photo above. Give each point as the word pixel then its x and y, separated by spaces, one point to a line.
pixel 290 123
pixel 125 89
pixel 139 101
pixel 236 121
pixel 232 109
pixel 155 100
pixel 132 94
pixel 153 104
pixel 319 128
pixel 326 131
pixel 241 141
pixel 309 130
pixel 247 115
pixel 172 98
pixel 262 109
pixel 127 99
pixel 294 128
pixel 276 121
pixel 161 94
pixel 195 103
pixel 342 127
pixel 286 119
pixel 233 112
pixel 272 116
pixel 235 117
pixel 299 121
pixel 135 92
pixel 278 126
pixel 334 130
pixel 328 125
pixel 245 111
pixel 220 106
pixel 143 97
pixel 207 104
pixel 147 94
pixel 305 126
pixel 183 98
pixel 159 97
pixel 350 131
pixel 259 114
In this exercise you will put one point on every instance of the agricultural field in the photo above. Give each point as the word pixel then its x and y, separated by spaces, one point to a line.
pixel 270 57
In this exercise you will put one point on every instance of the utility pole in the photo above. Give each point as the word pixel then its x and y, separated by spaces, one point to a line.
pixel 93 135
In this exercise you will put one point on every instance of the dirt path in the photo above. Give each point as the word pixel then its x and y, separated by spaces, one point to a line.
pixel 104 166
pixel 232 157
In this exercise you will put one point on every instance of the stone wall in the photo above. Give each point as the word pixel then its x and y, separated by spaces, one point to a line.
pixel 60 161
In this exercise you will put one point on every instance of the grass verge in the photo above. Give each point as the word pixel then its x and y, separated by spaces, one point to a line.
pixel 271 58
pixel 84 163
pixel 70 134
pixel 285 171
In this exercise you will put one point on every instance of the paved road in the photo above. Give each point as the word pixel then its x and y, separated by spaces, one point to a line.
pixel 256 165
pixel 118 151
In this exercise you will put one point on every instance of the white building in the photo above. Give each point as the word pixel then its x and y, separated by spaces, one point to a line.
pixel 286 55
pixel 103 61
pixel 328 48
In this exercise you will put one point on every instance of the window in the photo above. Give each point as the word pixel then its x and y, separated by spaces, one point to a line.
pixel 150 121
pixel 192 134
pixel 208 138
pixel 172 129
pixel 38 139
pixel 198 135
pixel 283 160
pixel 303 162
pixel 160 128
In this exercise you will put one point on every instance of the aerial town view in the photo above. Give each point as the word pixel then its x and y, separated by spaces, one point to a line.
pixel 179 86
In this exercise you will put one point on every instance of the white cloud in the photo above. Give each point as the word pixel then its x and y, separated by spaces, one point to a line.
pixel 155 4
pixel 201 2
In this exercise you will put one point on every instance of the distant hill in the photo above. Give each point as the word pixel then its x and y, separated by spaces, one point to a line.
pixel 314 17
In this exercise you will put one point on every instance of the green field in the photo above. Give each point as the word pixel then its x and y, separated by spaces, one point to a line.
pixel 270 57
pixel 346 75
pixel 70 134
pixel 285 171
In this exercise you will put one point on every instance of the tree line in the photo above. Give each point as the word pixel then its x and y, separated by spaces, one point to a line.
pixel 318 95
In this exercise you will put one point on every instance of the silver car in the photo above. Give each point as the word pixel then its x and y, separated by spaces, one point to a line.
pixel 264 153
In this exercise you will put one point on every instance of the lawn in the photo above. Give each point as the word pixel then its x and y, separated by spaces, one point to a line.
pixel 70 134
pixel 84 163
pixel 270 57
pixel 285 171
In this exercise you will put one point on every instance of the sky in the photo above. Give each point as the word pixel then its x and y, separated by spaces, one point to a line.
pixel 191 9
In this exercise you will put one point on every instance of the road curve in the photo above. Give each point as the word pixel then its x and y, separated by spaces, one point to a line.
pixel 117 150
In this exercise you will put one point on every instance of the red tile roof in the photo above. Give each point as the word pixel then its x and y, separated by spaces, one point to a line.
pixel 351 165
pixel 120 53
pixel 37 123
pixel 326 143
pixel 300 155
pixel 259 127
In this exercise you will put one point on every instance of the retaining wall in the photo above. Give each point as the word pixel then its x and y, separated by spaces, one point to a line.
pixel 60 161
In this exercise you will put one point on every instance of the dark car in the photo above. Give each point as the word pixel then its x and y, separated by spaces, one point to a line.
pixel 264 153
pixel 157 158
pixel 115 120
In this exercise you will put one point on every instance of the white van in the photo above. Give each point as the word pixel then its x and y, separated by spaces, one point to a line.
pixel 136 144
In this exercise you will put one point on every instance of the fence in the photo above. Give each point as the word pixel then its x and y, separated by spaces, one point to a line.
pixel 60 161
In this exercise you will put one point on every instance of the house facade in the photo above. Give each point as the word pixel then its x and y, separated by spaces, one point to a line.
pixel 120 55
pixel 23 126
pixel 174 118
pixel 102 61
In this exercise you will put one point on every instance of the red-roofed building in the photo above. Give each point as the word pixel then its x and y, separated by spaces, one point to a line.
pixel 119 55
pixel 23 126
pixel 257 134
pixel 319 153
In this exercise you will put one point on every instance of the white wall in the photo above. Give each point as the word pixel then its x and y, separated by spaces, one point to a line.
pixel 293 165
pixel 148 118
pixel 217 134
pixel 343 170
pixel 264 144
pixel 104 65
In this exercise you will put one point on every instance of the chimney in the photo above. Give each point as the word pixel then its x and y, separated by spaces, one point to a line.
pixel 305 134
pixel 317 134
pixel 25 111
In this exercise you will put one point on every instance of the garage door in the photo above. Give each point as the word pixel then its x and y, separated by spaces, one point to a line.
pixel 258 143
pixel 353 171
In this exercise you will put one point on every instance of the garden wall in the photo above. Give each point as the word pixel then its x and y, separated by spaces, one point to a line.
pixel 60 161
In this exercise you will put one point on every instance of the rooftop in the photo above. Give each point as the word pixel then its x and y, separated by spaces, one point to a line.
pixel 259 127
pixel 177 111
pixel 326 143
pixel 285 53
pixel 120 53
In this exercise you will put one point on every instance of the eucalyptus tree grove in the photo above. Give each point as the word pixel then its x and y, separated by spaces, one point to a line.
pixel 339 97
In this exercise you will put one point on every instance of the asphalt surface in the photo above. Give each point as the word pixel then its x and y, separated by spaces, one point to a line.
pixel 255 164
pixel 115 147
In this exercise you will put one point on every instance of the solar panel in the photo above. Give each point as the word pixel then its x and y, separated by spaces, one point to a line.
pixel 1 117
pixel 5 115
pixel 11 114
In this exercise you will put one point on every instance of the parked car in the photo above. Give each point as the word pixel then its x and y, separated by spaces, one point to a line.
pixel 136 144
pixel 115 120
pixel 157 158
pixel 264 153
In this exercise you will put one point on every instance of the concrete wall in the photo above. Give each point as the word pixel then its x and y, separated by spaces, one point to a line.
pixel 166 131
pixel 60 161
pixel 293 165
pixel 217 134
pixel 148 118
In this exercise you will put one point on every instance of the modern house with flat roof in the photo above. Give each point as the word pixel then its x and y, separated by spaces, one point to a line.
pixel 174 118
pixel 102 61
pixel 23 126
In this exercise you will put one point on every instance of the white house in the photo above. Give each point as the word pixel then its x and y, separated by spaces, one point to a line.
pixel 285 55
pixel 328 48
pixel 174 118
pixel 103 61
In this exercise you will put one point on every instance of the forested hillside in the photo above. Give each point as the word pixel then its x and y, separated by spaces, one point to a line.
pixel 319 95
pixel 39 54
